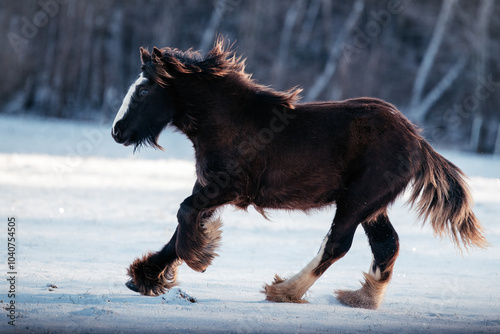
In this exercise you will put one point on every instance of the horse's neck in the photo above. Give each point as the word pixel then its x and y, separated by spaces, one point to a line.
pixel 202 104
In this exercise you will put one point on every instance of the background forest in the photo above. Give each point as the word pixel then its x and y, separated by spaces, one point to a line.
pixel 435 60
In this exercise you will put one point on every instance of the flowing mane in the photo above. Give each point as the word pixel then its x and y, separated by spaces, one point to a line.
pixel 219 63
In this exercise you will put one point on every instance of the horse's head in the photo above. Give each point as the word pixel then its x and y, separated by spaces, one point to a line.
pixel 146 109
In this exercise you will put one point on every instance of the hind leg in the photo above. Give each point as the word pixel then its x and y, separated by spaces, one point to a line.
pixel 385 247
pixel 365 200
pixel 335 245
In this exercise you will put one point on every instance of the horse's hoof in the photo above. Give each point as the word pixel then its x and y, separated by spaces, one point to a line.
pixel 130 284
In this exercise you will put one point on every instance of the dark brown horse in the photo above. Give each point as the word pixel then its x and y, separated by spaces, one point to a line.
pixel 256 146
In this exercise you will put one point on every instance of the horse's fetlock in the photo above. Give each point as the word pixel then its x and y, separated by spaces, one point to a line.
pixel 151 279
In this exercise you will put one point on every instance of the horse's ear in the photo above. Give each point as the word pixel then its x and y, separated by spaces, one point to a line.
pixel 145 56
pixel 157 53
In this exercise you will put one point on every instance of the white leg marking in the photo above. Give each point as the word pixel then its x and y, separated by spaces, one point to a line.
pixel 305 273
pixel 126 100
pixel 376 274
pixel 292 290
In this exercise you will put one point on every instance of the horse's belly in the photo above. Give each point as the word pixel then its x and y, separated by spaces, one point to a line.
pixel 296 196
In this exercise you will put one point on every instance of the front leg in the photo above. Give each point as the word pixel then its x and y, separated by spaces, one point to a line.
pixel 199 233
pixel 156 272
pixel 196 238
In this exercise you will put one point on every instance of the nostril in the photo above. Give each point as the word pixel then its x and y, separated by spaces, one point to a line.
pixel 116 132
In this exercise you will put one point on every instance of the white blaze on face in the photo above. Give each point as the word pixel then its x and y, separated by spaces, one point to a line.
pixel 127 99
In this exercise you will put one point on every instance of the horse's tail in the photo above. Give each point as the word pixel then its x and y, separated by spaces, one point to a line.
pixel 442 197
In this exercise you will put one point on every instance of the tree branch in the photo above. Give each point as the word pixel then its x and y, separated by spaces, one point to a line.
pixel 421 110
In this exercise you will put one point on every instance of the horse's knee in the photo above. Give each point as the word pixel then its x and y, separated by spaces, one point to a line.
pixel 186 213
pixel 197 244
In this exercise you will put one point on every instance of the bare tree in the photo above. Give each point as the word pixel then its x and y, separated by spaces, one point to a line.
pixel 76 59
pixel 308 25
pixel 285 41
pixel 335 52
pixel 213 23
pixel 485 127
pixel 418 111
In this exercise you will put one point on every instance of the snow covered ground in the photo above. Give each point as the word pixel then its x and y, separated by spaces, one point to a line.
pixel 85 207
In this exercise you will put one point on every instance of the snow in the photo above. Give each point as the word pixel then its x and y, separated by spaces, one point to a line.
pixel 86 207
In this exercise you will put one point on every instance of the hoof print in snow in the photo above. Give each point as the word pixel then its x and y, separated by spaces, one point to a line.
pixel 177 296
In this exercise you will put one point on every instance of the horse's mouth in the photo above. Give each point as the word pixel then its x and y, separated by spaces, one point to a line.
pixel 120 139
pixel 127 142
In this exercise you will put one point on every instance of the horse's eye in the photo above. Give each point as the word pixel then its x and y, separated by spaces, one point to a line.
pixel 143 92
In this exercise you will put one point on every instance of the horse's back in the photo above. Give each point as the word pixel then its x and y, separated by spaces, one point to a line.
pixel 358 126
pixel 328 145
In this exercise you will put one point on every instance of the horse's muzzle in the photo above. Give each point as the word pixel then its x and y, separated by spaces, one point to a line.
pixel 118 135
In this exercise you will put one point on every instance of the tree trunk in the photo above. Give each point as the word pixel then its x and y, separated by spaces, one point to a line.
pixel 210 31
pixel 308 25
pixel 420 111
pixel 335 52
pixel 483 137
pixel 285 41
pixel 430 55
pixel 496 150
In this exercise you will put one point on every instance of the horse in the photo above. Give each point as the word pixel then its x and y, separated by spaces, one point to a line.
pixel 255 146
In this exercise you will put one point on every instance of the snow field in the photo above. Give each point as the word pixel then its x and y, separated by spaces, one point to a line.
pixel 85 208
